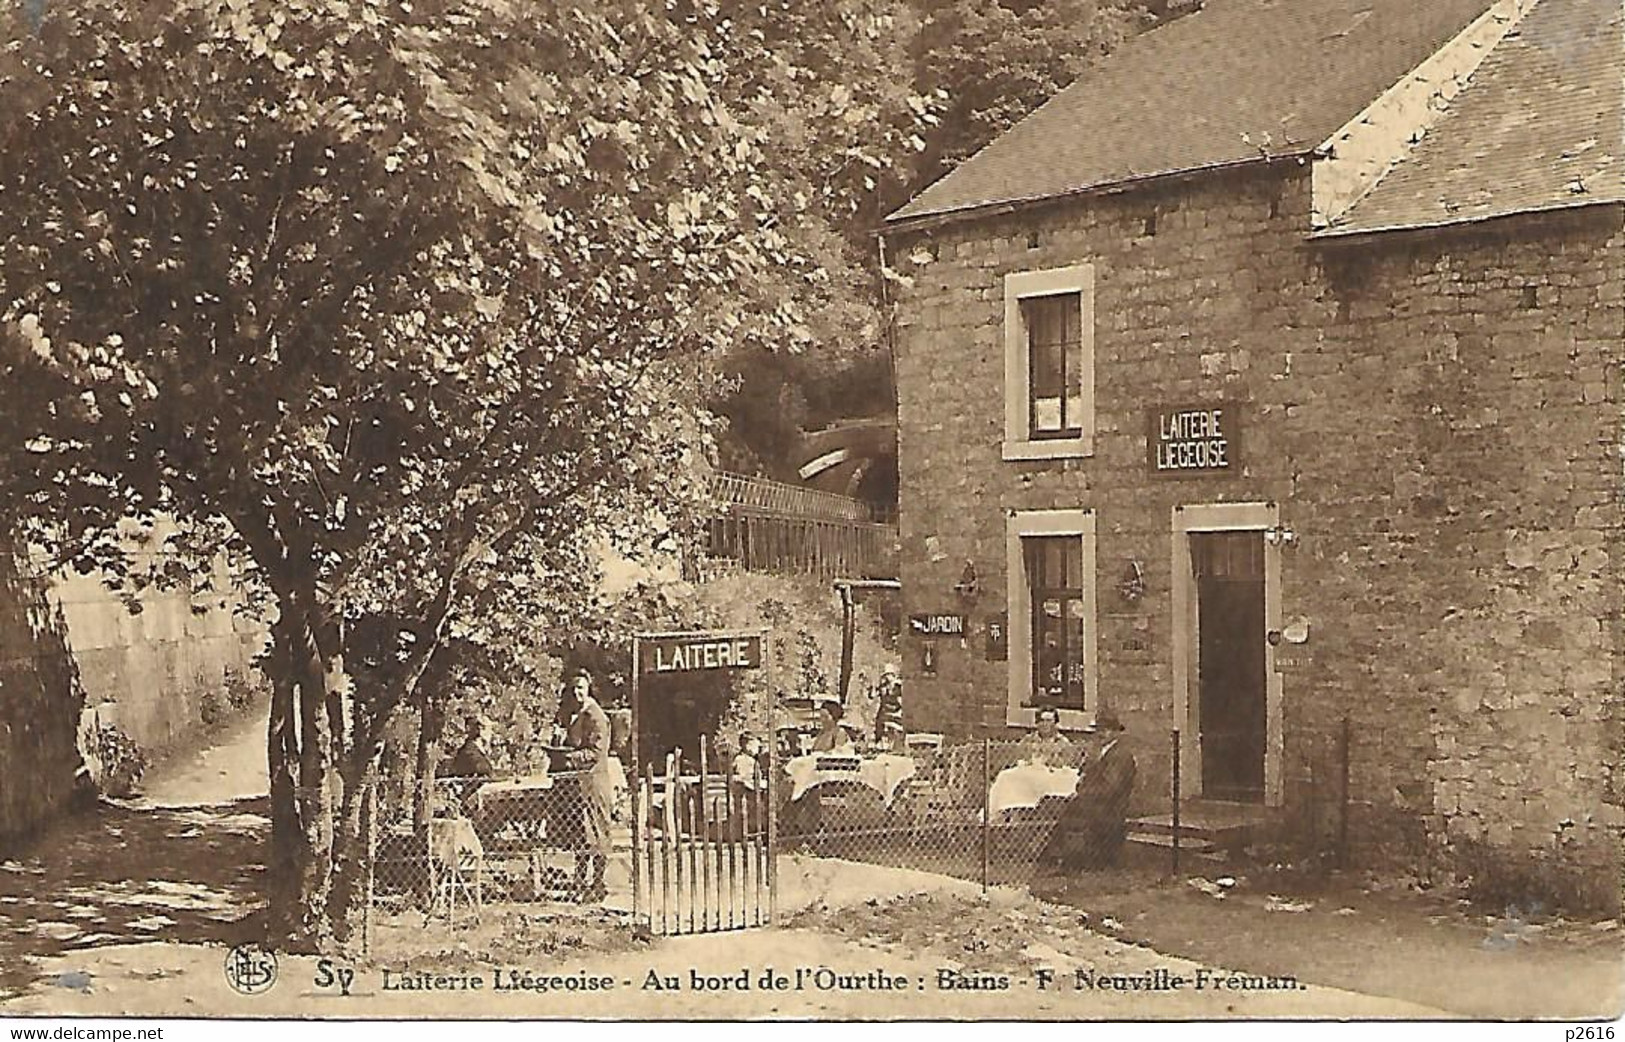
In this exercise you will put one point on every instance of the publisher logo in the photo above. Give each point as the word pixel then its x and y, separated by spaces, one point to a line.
pixel 250 969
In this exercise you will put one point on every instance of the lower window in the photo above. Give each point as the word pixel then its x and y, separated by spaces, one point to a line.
pixel 1054 566
pixel 1050 557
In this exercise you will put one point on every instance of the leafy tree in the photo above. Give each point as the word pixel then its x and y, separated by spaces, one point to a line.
pixel 996 62
pixel 396 302
pixel 900 92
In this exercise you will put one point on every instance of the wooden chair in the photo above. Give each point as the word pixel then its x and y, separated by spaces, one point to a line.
pixel 456 865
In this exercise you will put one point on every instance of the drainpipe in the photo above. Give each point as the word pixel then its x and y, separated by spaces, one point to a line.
pixel 849 611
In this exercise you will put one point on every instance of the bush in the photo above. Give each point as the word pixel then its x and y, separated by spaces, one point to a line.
pixel 236 692
pixel 123 761
pixel 242 689
pixel 213 708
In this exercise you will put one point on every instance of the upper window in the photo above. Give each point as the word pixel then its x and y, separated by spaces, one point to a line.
pixel 1054 365
pixel 1049 363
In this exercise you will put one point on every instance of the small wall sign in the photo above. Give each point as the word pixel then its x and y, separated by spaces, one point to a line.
pixel 1194 439
pixel 998 638
pixel 937 625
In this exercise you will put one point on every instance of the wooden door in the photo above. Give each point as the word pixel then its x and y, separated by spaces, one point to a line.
pixel 1229 570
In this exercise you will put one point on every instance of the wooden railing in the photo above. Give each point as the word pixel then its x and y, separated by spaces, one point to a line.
pixel 762 497
pixel 769 526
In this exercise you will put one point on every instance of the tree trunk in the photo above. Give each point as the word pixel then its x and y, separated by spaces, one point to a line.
pixel 430 731
pixel 304 781
pixel 286 854
pixel 349 868
pixel 326 741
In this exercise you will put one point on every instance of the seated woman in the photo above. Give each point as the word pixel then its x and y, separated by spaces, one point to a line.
pixel 832 737
pixel 1047 745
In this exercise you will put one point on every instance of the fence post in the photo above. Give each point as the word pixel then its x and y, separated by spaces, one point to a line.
pixel 1343 797
pixel 771 788
pixel 370 809
pixel 1174 819
pixel 634 754
pixel 987 815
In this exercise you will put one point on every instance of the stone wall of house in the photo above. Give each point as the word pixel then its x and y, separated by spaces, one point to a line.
pixel 1437 416
pixel 72 656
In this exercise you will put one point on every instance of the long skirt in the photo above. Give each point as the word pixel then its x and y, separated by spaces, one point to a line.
pixel 582 822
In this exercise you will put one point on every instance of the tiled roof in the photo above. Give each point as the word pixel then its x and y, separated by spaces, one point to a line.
pixel 1539 126
pixel 1235 82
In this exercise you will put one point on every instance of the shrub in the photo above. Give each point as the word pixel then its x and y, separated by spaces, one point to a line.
pixel 213 708
pixel 123 761
pixel 242 689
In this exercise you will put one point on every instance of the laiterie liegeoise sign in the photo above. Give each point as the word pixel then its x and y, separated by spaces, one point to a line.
pixel 1194 439
pixel 699 652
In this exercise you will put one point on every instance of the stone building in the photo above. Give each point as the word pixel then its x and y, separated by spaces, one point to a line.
pixel 1265 384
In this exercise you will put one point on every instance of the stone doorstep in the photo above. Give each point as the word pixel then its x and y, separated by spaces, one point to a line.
pixel 1204 826
pixel 1201 848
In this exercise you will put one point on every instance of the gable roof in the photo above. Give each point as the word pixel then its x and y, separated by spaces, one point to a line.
pixel 1539 126
pixel 1236 82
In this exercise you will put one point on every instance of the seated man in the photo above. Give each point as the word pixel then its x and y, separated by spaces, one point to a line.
pixel 466 772
pixel 1094 824
pixel 471 761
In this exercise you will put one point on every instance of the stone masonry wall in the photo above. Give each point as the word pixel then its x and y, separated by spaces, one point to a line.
pixel 72 656
pixel 1438 416
pixel 148 671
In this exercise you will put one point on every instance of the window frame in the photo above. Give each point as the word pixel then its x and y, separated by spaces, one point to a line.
pixel 1020 525
pixel 1020 442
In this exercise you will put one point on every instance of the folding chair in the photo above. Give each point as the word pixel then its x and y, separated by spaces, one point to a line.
pixel 456 865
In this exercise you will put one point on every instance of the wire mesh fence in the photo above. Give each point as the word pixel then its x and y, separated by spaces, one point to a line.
pixel 993 812
pixel 463 852
pixel 449 853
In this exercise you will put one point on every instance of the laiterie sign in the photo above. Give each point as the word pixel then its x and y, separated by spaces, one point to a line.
pixel 699 652
pixel 1197 439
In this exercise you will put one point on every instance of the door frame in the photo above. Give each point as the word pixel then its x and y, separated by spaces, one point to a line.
pixel 1189 518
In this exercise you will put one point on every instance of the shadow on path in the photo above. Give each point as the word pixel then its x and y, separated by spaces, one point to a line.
pixel 128 873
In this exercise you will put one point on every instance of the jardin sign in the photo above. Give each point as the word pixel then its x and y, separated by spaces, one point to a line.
pixel 1194 439
pixel 941 624
pixel 698 652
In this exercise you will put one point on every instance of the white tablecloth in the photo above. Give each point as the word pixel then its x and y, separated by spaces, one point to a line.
pixel 1026 785
pixel 884 773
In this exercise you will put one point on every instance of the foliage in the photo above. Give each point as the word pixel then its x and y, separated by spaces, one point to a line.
pixel 211 709
pixel 996 62
pixel 938 79
pixel 242 689
pixel 230 699
pixel 123 761
pixel 393 301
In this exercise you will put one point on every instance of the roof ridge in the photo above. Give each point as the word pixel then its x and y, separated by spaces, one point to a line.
pixel 1341 181
pixel 1201 92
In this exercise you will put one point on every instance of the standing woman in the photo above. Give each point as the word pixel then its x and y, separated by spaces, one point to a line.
pixel 587 737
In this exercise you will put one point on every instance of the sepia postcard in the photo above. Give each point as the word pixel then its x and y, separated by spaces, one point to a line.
pixel 836 510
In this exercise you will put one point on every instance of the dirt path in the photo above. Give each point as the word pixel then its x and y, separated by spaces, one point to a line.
pixel 1382 940
pixel 230 768
pixel 181 862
